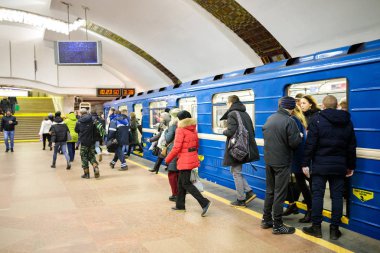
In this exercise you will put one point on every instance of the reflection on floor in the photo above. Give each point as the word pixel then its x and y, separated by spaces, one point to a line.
pixel 54 210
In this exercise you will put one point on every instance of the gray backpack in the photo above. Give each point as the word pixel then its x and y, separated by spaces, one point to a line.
pixel 238 146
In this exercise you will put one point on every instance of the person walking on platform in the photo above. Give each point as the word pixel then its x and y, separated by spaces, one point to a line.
pixel 331 149
pixel 59 132
pixel 71 122
pixel 86 129
pixel 45 133
pixel 237 113
pixel 185 148
pixel 281 137
pixel 119 130
pixel 12 104
pixel 4 105
pixel 8 123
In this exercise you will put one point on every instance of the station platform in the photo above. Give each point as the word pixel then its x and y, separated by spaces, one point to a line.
pixel 55 210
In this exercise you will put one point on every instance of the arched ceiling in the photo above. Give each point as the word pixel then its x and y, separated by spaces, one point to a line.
pixel 194 39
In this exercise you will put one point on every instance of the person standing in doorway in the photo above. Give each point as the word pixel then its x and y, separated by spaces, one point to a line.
pixel 8 123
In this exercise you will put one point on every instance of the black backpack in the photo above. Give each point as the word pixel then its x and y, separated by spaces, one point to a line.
pixel 238 146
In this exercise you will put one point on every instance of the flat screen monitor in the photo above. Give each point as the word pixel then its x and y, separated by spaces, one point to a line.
pixel 78 53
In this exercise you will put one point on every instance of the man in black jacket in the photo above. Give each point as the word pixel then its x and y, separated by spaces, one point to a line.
pixel 243 190
pixel 331 149
pixel 4 105
pixel 58 132
pixel 8 123
pixel 281 137
pixel 86 131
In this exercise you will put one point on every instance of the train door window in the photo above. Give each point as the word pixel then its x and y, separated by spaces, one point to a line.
pixel 189 104
pixel 219 107
pixel 122 107
pixel 319 89
pixel 155 109
pixel 137 109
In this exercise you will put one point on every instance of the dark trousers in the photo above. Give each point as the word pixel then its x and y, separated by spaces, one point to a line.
pixel 71 150
pixel 301 183
pixel 277 179
pixel 336 184
pixel 134 148
pixel 173 181
pixel 185 185
pixel 119 155
pixel 44 138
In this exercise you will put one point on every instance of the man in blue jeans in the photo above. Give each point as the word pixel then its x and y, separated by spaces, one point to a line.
pixel 119 130
pixel 8 123
pixel 331 149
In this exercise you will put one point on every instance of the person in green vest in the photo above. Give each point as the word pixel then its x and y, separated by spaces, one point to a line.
pixel 71 121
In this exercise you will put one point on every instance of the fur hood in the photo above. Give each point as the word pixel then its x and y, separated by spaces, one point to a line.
pixel 187 122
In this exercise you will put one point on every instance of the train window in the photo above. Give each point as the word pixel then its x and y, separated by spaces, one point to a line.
pixel 155 109
pixel 219 107
pixel 137 109
pixel 189 104
pixel 122 107
pixel 319 89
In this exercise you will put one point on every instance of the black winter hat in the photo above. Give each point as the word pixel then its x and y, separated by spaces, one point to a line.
pixel 183 115
pixel 288 103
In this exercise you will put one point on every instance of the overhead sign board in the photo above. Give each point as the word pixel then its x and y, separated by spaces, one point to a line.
pixel 114 92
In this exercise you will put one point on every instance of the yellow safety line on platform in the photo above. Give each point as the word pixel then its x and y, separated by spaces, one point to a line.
pixel 39 114
pixel 321 242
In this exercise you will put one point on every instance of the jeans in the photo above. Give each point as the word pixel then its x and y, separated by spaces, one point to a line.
pixel 62 146
pixel 9 135
pixel 240 182
pixel 119 155
pixel 277 179
pixel 71 149
pixel 336 184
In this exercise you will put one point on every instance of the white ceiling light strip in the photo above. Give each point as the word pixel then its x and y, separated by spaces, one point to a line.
pixel 43 22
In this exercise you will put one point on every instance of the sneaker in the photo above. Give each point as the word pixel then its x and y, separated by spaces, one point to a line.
pixel 7 150
pixel 173 198
pixel 96 172
pixel 124 168
pixel 335 232
pixel 307 218
pixel 43 148
pixel 249 196
pixel 68 166
pixel 100 157
pixel 12 150
pixel 112 165
pixel 52 166
pixel 205 209
pixel 238 203
pixel 178 209
pixel 282 229
pixel 86 176
pixel 314 230
pixel 266 224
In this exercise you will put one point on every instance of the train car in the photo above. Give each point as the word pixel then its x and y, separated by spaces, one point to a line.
pixel 351 72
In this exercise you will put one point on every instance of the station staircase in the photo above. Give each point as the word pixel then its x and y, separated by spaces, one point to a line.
pixel 32 111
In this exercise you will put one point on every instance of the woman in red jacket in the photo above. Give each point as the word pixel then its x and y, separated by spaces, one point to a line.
pixel 185 148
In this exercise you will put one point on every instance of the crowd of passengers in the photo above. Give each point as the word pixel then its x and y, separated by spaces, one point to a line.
pixel 314 144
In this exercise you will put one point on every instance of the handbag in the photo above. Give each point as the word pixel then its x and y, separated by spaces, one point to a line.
pixel 111 145
pixel 196 180
pixel 164 150
pixel 155 151
pixel 68 137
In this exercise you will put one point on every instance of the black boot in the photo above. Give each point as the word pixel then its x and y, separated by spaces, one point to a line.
pixel 86 174
pixel 335 232
pixel 52 165
pixel 314 230
pixel 96 171
pixel 292 209
pixel 307 217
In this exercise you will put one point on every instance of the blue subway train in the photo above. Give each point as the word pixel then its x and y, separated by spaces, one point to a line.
pixel 351 73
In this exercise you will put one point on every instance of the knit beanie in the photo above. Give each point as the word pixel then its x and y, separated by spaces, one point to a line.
pixel 174 112
pixel 183 115
pixel 288 103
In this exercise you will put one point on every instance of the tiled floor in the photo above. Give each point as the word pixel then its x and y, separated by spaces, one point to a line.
pixel 54 210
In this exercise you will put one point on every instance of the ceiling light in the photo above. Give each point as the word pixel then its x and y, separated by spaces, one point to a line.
pixel 39 21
